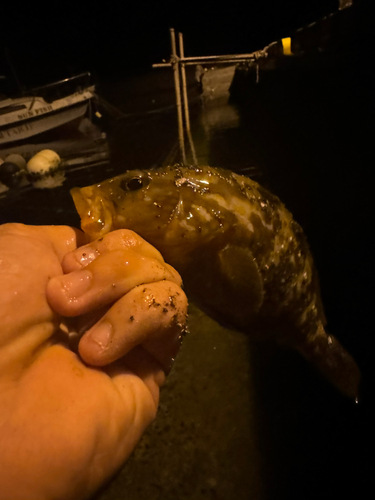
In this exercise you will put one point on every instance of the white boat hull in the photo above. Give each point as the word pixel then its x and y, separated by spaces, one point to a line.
pixel 48 121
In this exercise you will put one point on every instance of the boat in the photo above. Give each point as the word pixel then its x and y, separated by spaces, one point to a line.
pixel 44 108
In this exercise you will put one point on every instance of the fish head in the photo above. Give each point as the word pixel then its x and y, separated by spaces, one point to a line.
pixel 131 200
pixel 165 206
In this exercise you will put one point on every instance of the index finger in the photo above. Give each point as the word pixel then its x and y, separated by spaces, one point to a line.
pixel 121 239
pixel 104 280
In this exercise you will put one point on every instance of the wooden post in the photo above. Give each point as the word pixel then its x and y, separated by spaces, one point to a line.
pixel 175 65
pixel 185 99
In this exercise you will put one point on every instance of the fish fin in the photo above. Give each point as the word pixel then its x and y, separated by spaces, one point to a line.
pixel 228 285
pixel 237 287
pixel 245 283
pixel 330 358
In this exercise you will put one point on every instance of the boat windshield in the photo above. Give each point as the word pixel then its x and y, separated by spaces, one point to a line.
pixel 12 107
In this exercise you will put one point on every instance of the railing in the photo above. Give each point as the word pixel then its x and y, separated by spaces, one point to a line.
pixel 61 88
pixel 62 82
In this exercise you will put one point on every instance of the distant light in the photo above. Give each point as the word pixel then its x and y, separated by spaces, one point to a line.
pixel 287 46
pixel 343 4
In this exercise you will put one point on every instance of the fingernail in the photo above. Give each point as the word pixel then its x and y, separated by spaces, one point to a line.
pixel 77 283
pixel 101 334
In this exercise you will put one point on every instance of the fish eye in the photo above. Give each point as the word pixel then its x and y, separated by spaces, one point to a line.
pixel 133 184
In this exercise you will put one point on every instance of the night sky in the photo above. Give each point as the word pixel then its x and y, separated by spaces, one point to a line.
pixel 45 42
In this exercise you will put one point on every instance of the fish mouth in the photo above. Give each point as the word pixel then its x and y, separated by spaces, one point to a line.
pixel 95 211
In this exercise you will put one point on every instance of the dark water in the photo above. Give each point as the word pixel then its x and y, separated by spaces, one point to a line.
pixel 239 421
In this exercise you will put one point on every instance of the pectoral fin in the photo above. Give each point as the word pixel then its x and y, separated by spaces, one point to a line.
pixel 228 285
pixel 244 281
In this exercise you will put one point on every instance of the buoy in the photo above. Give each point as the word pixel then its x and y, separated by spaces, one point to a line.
pixel 44 172
pixel 17 159
pixel 44 162
pixel 9 174
pixel 3 187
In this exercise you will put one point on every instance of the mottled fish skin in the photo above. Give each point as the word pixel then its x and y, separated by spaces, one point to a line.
pixel 239 251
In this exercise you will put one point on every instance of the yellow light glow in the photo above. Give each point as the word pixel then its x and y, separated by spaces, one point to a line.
pixel 287 46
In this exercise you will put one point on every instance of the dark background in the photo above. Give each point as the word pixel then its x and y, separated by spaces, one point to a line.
pixel 48 41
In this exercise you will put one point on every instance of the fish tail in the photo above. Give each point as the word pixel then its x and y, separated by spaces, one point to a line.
pixel 329 357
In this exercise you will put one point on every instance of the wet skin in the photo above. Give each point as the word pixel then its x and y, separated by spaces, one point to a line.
pixel 70 419
pixel 241 255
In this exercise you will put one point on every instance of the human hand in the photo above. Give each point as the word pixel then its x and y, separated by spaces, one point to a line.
pixel 68 421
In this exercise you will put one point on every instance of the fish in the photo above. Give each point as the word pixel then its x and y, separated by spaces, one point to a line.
pixel 243 259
